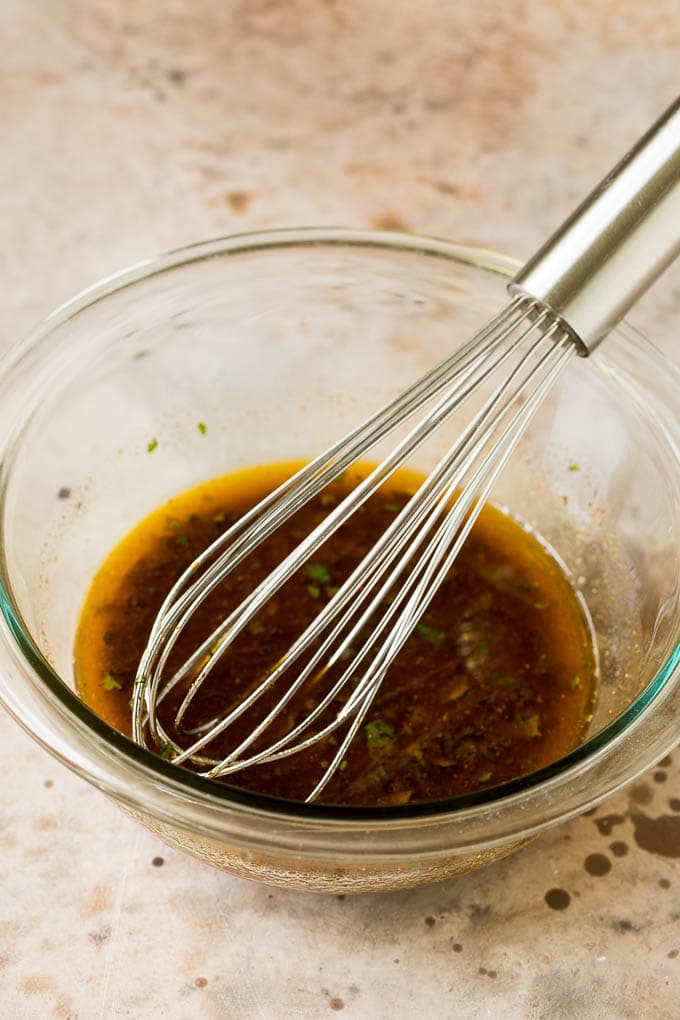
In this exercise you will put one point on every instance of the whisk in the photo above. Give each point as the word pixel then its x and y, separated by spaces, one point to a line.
pixel 563 303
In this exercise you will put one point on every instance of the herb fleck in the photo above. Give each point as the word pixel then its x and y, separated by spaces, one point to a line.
pixel 392 508
pixel 202 427
pixel 574 467
pixel 317 572
pixel 313 591
pixel 576 683
pixel 531 726
pixel 151 446
pixel 109 682
pixel 378 733
pixel 432 635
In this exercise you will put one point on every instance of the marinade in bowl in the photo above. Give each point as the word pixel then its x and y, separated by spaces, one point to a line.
pixel 497 679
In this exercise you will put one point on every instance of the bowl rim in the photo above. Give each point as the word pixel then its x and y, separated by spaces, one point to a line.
pixel 65 701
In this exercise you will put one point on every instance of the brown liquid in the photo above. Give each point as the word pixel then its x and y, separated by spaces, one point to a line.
pixel 497 680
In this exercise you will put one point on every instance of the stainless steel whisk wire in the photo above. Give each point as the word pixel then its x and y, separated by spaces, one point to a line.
pixel 565 300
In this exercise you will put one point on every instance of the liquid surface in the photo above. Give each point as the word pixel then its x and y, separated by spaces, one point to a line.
pixel 497 680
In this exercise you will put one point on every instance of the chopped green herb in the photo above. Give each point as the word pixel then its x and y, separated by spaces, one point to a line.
pixel 165 751
pixel 531 726
pixel 378 733
pixel 202 427
pixel 576 683
pixel 343 765
pixel 313 591
pixel 172 524
pixel 430 634
pixel 504 680
pixel 317 572
pixel 540 605
pixel 182 540
pixel 327 499
pixel 392 508
pixel 109 683
pixel 574 467
pixel 151 446
pixel 485 777
pixel 332 741
pixel 256 627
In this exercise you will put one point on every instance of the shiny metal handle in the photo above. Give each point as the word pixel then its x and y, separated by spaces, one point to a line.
pixel 613 247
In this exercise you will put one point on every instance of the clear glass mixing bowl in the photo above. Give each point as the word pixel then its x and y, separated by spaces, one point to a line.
pixel 279 342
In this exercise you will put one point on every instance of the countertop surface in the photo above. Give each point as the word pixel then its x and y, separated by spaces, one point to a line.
pixel 131 128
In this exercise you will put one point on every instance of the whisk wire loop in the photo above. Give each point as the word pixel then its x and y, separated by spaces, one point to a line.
pixel 459 520
pixel 408 562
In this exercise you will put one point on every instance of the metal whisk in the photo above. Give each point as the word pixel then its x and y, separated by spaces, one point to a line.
pixel 563 302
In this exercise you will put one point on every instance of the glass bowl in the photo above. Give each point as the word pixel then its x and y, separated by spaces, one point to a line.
pixel 279 342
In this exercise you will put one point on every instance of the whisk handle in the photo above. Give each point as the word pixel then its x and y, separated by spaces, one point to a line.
pixel 613 247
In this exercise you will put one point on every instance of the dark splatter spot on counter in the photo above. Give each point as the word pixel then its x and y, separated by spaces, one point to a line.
pixel 641 794
pixel 158 862
pixel 660 776
pixel 673 955
pixel 457 947
pixel 597 865
pixel 100 936
pixel 341 896
pixel 177 76
pixel 665 762
pixel 200 982
pixel 430 921
pixel 618 848
pixel 239 200
pixel 557 899
pixel 337 1003
pixel 674 803
pixel 64 492
pixel 658 835
pixel 48 784
pixel 665 883
pixel 625 926
pixel 479 911
pixel 591 811
pixel 487 973
pixel 607 823
pixel 388 221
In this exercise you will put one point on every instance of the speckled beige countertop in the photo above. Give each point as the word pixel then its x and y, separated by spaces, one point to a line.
pixel 131 127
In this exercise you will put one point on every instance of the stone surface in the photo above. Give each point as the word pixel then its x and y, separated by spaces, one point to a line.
pixel 129 128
